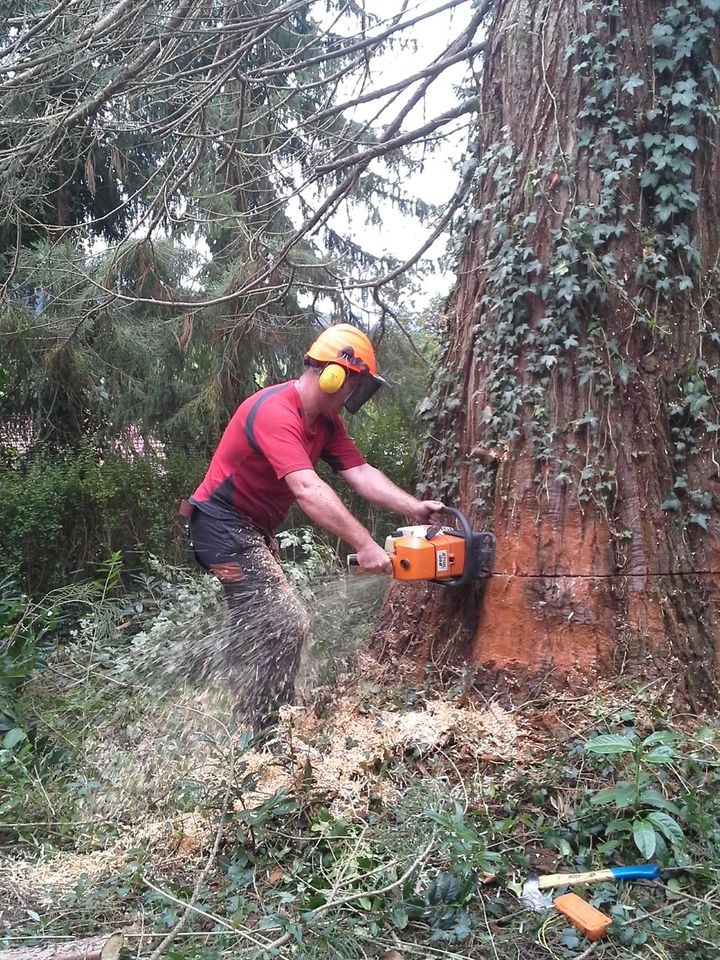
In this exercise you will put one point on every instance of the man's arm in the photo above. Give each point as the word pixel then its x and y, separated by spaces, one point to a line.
pixel 373 485
pixel 323 506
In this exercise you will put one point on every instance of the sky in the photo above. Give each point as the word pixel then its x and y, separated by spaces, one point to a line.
pixel 400 236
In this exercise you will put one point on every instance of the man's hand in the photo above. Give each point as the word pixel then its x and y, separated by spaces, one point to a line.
pixel 429 511
pixel 373 558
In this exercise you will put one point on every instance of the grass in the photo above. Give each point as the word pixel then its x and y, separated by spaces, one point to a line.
pixel 382 819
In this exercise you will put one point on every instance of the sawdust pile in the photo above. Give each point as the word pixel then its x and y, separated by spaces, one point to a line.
pixel 346 755
pixel 42 880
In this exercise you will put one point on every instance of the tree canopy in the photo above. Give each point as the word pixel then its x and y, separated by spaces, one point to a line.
pixel 170 179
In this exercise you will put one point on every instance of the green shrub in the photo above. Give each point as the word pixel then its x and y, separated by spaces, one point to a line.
pixel 24 631
pixel 61 514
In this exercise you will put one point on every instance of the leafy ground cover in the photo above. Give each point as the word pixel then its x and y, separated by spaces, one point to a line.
pixel 382 821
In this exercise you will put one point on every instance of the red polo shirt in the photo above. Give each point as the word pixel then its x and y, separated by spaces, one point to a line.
pixel 266 439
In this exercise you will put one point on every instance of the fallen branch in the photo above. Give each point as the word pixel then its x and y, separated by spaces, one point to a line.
pixel 104 947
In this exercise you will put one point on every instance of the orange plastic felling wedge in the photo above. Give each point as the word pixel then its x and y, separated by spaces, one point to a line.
pixel 593 923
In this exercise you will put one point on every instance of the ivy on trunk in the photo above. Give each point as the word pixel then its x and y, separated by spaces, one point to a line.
pixel 580 409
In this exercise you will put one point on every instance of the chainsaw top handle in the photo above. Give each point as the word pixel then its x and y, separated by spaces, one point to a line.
pixel 468 574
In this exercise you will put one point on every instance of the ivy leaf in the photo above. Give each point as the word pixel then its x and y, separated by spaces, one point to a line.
pixel 661 34
pixel 699 519
pixel 663 211
pixel 672 503
pixel 644 837
pixel 649 178
pixel 684 94
pixel 702 499
pixel 624 371
pixel 399 917
pixel 667 191
pixel 461 929
pixel 632 82
pixel 569 938
pixel 712 5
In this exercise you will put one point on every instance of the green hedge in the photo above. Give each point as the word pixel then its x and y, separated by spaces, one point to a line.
pixel 61 514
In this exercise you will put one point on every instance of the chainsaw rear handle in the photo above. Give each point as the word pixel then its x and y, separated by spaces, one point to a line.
pixel 355 568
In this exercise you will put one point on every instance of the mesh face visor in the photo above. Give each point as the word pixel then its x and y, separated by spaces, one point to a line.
pixel 366 386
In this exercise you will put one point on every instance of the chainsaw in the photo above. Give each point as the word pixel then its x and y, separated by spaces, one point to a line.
pixel 438 553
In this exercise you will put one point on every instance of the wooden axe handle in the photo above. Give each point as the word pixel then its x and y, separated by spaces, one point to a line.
pixel 563 879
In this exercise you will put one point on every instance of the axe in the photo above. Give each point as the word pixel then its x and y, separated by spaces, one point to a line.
pixel 532 897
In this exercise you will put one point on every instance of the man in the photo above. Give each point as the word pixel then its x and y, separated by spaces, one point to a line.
pixel 264 462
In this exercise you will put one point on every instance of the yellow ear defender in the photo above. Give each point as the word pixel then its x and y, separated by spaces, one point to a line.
pixel 332 377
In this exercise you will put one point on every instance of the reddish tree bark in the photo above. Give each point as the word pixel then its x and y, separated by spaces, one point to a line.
pixel 602 481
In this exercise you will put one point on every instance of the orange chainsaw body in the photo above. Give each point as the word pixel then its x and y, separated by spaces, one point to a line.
pixel 440 554
pixel 414 557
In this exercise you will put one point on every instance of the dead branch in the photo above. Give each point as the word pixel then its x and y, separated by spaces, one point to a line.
pixel 103 947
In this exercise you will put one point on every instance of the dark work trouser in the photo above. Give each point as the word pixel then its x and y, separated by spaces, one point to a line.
pixel 267 622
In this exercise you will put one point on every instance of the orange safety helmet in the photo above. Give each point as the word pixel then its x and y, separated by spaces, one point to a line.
pixel 344 344
pixel 347 347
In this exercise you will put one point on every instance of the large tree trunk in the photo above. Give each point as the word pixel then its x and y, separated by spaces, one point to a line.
pixel 580 412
